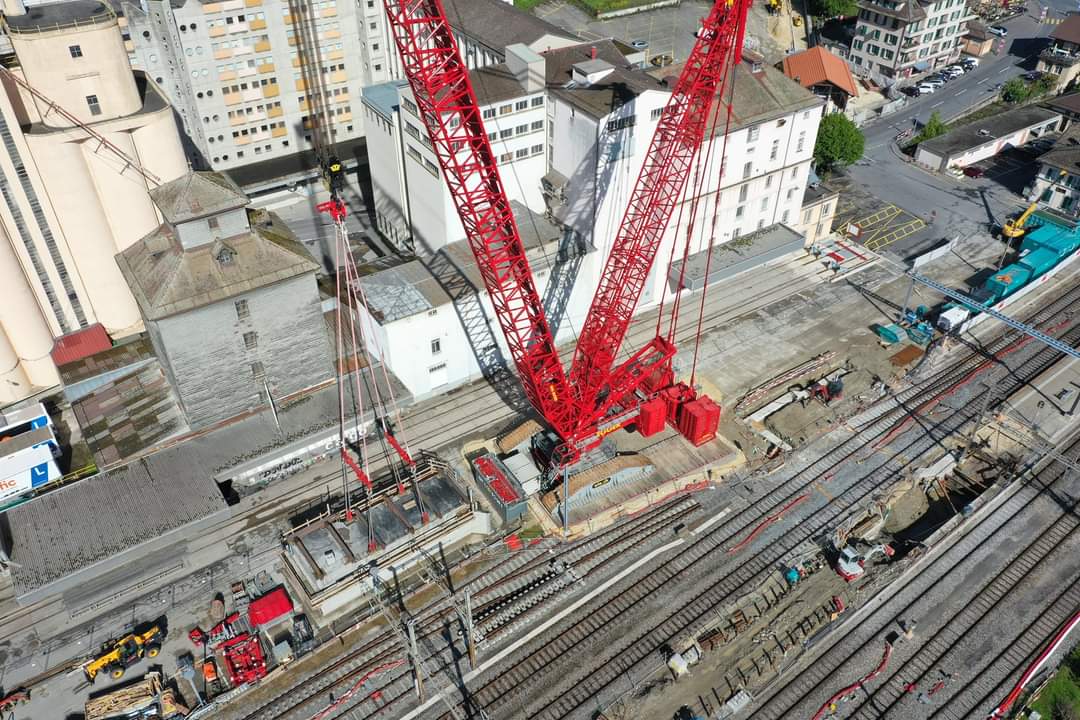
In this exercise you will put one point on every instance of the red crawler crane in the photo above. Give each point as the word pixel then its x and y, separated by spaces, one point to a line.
pixel 579 408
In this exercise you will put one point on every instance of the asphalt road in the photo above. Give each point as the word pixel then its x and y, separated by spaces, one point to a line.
pixel 964 207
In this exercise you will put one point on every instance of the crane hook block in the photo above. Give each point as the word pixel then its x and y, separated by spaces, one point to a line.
pixel 335 208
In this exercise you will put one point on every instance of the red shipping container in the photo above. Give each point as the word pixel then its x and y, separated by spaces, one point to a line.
pixel 269 607
pixel 652 416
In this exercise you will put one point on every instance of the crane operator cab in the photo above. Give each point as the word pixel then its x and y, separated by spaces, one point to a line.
pixel 334 172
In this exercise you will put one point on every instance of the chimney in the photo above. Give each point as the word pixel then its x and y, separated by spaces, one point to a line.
pixel 527 67
pixel 592 52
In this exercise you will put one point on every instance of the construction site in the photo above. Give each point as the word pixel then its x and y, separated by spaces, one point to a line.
pixel 592 429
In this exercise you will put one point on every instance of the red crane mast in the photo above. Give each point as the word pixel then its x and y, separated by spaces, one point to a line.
pixel 447 106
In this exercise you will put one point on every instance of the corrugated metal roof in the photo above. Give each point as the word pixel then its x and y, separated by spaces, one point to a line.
pixel 80 344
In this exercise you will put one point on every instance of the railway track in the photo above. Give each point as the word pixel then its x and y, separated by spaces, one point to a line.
pixel 498 689
pixel 504 596
pixel 816 680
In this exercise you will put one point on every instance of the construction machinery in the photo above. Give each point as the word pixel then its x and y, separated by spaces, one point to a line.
pixel 1015 228
pixel 116 656
pixel 850 564
pixel 598 395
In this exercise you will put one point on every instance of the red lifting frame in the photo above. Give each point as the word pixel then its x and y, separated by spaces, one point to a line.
pixel 449 110
pixel 658 189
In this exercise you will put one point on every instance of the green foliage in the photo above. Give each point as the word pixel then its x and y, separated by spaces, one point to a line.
pixel 933 127
pixel 1047 83
pixel 839 141
pixel 833 8
pixel 1061 696
pixel 527 5
pixel 1015 91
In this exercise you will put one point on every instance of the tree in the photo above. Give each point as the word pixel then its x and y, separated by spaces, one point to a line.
pixel 1015 91
pixel 838 141
pixel 932 128
pixel 833 8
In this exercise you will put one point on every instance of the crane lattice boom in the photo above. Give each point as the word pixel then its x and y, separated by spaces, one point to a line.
pixel 448 107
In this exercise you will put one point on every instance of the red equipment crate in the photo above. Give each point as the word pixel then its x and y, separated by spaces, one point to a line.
pixel 699 419
pixel 269 607
pixel 675 397
pixel 244 659
pixel 652 416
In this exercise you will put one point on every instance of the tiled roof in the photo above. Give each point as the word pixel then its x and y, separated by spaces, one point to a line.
pixel 1068 30
pixel 611 92
pixel 818 65
pixel 80 344
pixel 196 195
pixel 166 278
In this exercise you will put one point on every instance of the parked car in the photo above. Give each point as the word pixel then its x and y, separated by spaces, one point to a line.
pixel 639 44
pixel 955 70
pixel 974 171
pixel 970 62
pixel 926 89
pixel 1033 75
pixel 911 91
pixel 936 82
pixel 998 30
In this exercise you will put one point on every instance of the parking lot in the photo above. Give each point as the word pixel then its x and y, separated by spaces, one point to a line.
pixel 670 31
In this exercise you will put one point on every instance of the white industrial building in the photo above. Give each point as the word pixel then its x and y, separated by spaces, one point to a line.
pixel 569 150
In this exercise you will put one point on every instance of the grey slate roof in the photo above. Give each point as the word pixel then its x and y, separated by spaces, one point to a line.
pixel 49 16
pixel 907 10
pixel 979 133
pixel 1068 104
pixel 384 97
pixel 1066 152
pixel 496 24
pixel 758 96
pixel 614 90
pixel 166 278
pixel 196 195
pixel 89 521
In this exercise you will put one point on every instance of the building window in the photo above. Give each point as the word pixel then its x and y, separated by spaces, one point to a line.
pixel 784 216
pixel 504 134
pixel 656 113
pixel 257 370
pixel 212 223
pixel 768 181
pixel 251 340
pixel 747 169
pixel 242 310
pixel 521 105
pixel 489 113
pixel 765 203
pixel 537 125
pixel 802 142
pixel 436 346
pixel 75 50
pixel 621 123
pixel 537 101
pixel 93 104
pixel 753 134
pixel 537 149
pixel 743 191
pixel 739 211
pixel 506 109
pixel 825 210
pixel 807 216
pixel 436 368
pixel 522 153
pixel 775 152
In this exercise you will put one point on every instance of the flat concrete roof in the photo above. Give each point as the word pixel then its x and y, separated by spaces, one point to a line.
pixel 737 256
pixel 56 15
pixel 981 132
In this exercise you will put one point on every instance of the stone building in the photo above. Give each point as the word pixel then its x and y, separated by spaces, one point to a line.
pixel 229 300
pixel 895 38
pixel 69 196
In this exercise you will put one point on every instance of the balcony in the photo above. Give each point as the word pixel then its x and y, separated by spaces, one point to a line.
pixel 1056 58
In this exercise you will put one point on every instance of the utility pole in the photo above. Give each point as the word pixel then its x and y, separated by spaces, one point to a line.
pixel 440 575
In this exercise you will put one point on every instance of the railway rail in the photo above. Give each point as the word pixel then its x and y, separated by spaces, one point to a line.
pixel 584 692
pixel 499 689
pixel 817 675
pixel 504 595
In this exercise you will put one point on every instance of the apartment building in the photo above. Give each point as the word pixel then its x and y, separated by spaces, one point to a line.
pixel 895 38
pixel 1057 183
pixel 1062 58
pixel 569 150
pixel 257 80
pixel 70 201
